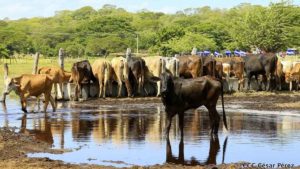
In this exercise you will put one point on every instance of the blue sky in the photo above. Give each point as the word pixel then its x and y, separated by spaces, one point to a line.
pixel 15 9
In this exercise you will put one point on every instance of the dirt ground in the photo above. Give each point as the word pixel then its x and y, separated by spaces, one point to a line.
pixel 14 146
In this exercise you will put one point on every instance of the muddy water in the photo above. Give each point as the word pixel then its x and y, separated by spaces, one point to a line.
pixel 132 134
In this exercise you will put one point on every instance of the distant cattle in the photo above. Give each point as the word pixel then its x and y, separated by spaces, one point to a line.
pixel 121 74
pixel 219 70
pixel 190 66
pixel 279 75
pixel 136 66
pixel 209 66
pixel 155 66
pixel 287 67
pixel 263 64
pixel 81 72
pixel 59 77
pixel 295 75
pixel 179 95
pixel 234 67
pixel 226 69
pixel 28 85
pixel 103 72
pixel 172 65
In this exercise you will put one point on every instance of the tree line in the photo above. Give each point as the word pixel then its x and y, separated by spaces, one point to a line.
pixel 110 29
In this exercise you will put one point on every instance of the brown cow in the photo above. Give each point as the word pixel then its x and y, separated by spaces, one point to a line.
pixel 190 66
pixel 155 66
pixel 279 74
pixel 102 70
pixel 219 70
pixel 295 75
pixel 59 77
pixel 209 66
pixel 81 72
pixel 28 85
pixel 136 66
pixel 121 74
pixel 236 69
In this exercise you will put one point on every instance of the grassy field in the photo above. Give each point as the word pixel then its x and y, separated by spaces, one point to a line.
pixel 17 67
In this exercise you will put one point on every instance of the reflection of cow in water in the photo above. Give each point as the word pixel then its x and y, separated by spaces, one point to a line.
pixel 43 133
pixel 214 148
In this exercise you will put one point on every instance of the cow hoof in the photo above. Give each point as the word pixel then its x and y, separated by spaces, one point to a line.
pixel 24 110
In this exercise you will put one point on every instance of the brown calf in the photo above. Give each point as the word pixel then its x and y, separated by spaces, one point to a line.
pixel 59 77
pixel 28 85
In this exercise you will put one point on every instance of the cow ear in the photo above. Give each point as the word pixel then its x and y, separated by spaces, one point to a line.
pixel 155 79
pixel 15 82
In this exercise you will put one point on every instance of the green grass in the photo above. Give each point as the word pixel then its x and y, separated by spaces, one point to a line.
pixel 24 65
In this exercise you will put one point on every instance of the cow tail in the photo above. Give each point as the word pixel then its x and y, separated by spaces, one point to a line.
pixel 222 96
pixel 142 73
pixel 201 74
pixel 214 68
pixel 177 67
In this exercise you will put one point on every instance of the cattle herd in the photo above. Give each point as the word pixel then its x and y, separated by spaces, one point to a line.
pixel 183 82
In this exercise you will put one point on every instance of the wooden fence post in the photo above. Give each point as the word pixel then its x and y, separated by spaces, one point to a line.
pixel 194 51
pixel 36 63
pixel 3 97
pixel 61 58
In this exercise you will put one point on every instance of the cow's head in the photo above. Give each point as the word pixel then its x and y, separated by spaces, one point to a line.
pixel 167 84
pixel 10 84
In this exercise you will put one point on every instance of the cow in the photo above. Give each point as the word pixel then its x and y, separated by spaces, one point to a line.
pixel 81 72
pixel 263 64
pixel 179 95
pixel 226 69
pixel 103 71
pixel 234 68
pixel 209 66
pixel 190 66
pixel 237 70
pixel 287 67
pixel 219 70
pixel 294 75
pixel 28 85
pixel 279 74
pixel 155 66
pixel 136 67
pixel 121 74
pixel 59 77
pixel 172 65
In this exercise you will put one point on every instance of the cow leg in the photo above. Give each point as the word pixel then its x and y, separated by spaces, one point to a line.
pixel 52 101
pixel 214 119
pixel 158 88
pixel 249 80
pixel 76 92
pixel 55 90
pixel 104 89
pixel 61 90
pixel 23 104
pixel 291 85
pixel 129 88
pixel 120 88
pixel 47 99
pixel 181 123
pixel 100 88
pixel 168 124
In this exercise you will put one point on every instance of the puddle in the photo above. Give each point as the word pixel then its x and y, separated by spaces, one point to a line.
pixel 123 136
